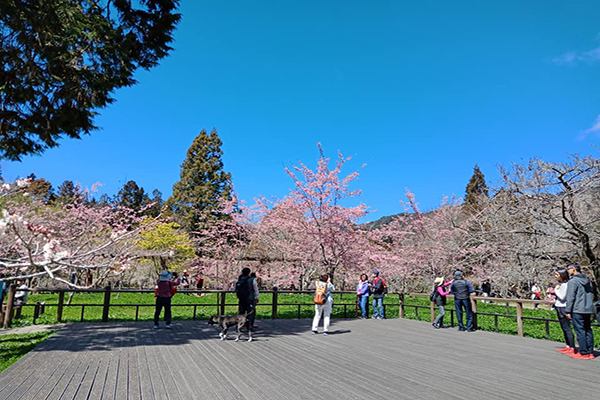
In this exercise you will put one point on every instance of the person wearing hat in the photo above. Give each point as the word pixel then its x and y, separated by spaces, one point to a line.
pixel 439 298
pixel 379 289
pixel 462 289
pixel 185 280
pixel 579 309
pixel 164 293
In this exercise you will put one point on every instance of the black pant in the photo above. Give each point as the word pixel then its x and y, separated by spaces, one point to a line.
pixel 565 325
pixel 160 303
pixel 247 307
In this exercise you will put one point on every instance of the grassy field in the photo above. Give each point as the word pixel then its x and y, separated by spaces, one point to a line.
pixel 122 309
pixel 13 347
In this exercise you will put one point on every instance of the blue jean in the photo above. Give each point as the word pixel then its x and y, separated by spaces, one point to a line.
pixel 439 320
pixel 582 323
pixel 378 311
pixel 459 305
pixel 362 302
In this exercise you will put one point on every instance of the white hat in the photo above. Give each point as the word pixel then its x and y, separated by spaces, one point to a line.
pixel 439 281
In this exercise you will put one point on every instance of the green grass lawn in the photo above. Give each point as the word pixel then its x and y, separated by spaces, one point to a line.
pixel 123 309
pixel 13 347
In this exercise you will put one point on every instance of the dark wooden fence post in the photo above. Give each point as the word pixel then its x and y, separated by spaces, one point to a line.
pixel 432 307
pixel 519 318
pixel 61 302
pixel 401 305
pixel 106 305
pixel 223 299
pixel 274 307
pixel 474 310
pixel 10 300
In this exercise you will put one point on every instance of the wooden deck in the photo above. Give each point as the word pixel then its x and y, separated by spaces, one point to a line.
pixel 361 359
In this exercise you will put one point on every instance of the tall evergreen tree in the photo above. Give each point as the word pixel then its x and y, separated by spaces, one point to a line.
pixel 202 183
pixel 66 192
pixel 132 196
pixel 476 189
pixel 63 59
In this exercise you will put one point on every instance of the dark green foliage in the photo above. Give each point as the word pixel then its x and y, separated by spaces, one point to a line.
pixel 476 189
pixel 202 184
pixel 132 196
pixel 62 59
pixel 66 192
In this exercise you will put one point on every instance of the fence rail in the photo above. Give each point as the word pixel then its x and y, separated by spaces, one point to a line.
pixel 9 309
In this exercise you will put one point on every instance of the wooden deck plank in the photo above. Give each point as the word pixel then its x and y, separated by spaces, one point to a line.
pixel 409 358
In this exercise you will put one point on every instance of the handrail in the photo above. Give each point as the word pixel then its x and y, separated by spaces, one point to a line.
pixel 220 303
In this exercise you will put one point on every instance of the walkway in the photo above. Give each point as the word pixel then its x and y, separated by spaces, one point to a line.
pixel 362 359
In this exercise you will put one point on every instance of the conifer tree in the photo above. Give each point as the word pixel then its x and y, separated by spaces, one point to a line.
pixel 203 182
pixel 132 196
pixel 476 189
pixel 66 192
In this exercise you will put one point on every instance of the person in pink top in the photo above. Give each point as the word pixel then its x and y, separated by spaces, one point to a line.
pixel 439 299
pixel 164 293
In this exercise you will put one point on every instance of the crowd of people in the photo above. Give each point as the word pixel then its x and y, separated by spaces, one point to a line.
pixel 571 297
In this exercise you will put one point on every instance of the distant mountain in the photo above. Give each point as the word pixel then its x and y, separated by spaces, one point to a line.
pixel 379 222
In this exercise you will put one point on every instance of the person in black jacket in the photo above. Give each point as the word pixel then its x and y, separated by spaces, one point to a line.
pixel 439 299
pixel 462 289
pixel 244 289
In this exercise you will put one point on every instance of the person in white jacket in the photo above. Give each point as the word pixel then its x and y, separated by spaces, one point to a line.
pixel 324 309
pixel 560 304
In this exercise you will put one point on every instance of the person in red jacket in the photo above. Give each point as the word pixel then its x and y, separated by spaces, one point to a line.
pixel 164 293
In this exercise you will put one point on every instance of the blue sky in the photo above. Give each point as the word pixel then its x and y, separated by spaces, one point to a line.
pixel 419 91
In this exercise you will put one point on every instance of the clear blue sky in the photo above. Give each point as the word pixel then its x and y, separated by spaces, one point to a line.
pixel 419 91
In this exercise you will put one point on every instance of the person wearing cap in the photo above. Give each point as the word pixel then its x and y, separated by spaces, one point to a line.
pixel 164 293
pixel 462 289
pixel 579 309
pixel 379 289
pixel 440 300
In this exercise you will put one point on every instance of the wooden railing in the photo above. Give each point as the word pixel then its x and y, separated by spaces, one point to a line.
pixel 220 305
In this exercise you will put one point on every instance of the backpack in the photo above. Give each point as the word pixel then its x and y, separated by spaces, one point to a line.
pixel 321 293
pixel 242 287
pixel 433 294
pixel 383 289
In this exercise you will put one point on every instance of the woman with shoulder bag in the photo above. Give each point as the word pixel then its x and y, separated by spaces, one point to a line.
pixel 439 297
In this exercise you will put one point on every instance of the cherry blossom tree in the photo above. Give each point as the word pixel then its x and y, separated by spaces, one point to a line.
pixel 39 240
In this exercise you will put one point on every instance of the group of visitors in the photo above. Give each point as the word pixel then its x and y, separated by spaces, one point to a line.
pixel 575 304
pixel 461 289
pixel 572 297
pixel 376 287
pixel 166 286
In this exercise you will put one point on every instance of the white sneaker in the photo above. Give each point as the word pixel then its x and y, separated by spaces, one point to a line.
pixel 155 327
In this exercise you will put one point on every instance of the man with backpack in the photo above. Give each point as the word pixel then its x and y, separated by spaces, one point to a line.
pixel 244 289
pixel 379 289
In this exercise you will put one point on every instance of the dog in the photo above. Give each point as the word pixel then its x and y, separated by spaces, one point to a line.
pixel 227 321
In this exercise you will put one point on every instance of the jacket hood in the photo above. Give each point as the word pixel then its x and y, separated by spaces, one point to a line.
pixel 584 280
